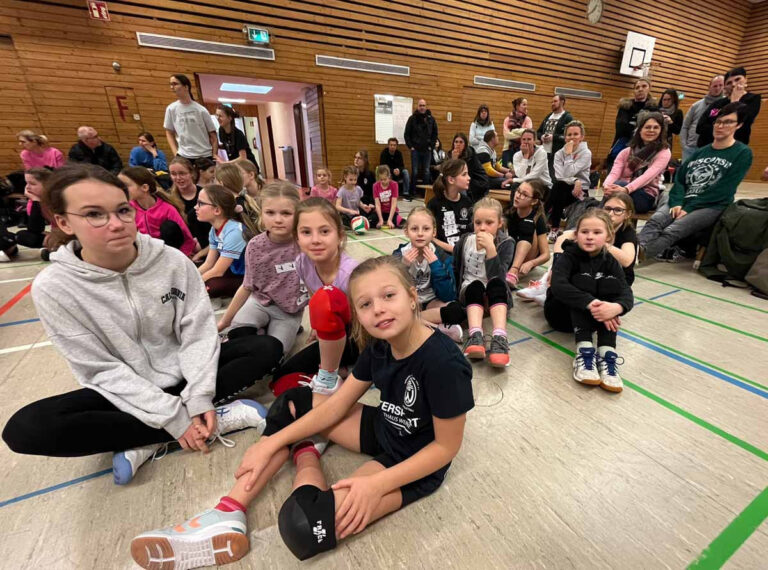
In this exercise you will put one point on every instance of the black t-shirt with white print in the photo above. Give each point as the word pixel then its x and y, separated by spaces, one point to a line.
pixel 524 229
pixel 454 219
pixel 436 380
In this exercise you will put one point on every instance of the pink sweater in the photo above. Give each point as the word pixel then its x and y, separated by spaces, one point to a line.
pixel 51 157
pixel 148 222
pixel 329 194
pixel 649 181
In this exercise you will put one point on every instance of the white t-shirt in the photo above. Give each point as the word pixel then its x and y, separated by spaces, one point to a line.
pixel 549 129
pixel 191 123
pixel 474 263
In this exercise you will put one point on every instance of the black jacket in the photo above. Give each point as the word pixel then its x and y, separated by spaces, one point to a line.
pixel 558 137
pixel 421 131
pixel 626 117
pixel 478 179
pixel 579 278
pixel 393 161
pixel 707 121
pixel 103 155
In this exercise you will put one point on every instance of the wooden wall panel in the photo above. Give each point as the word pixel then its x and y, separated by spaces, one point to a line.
pixel 754 57
pixel 315 126
pixel 68 57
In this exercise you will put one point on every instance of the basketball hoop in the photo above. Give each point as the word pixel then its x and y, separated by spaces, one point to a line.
pixel 646 69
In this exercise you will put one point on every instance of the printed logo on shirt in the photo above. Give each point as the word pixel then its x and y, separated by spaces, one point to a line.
pixel 411 392
pixel 464 213
pixel 398 417
pixel 173 294
pixel 303 296
pixel 703 173
pixel 285 267
pixel 385 195
pixel 450 227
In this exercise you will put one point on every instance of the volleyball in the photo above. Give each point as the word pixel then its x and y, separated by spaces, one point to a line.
pixel 359 225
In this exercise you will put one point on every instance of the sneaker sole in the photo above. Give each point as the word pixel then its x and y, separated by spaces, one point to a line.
pixel 588 381
pixel 614 389
pixel 475 354
pixel 498 363
pixel 163 553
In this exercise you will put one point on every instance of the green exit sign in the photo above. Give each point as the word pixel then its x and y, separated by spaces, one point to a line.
pixel 257 35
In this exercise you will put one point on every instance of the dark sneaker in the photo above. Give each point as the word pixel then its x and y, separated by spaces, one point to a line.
pixel 474 348
pixel 498 355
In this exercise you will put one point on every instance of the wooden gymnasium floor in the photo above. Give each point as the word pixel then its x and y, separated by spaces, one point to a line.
pixel 670 473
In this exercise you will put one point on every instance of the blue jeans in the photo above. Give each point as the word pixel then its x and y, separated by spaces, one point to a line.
pixel 643 202
pixel 420 161
pixel 688 151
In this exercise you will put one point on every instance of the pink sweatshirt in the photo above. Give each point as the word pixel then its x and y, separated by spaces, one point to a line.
pixel 51 157
pixel 648 181
pixel 329 194
pixel 148 222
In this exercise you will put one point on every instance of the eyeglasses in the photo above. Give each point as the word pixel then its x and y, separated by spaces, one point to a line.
pixel 617 211
pixel 725 122
pixel 100 218
pixel 522 194
pixel 200 204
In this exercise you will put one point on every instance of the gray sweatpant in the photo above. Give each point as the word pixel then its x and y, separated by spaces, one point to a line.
pixel 663 231
pixel 278 323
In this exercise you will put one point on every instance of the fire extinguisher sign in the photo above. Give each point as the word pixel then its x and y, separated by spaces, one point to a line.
pixel 97 10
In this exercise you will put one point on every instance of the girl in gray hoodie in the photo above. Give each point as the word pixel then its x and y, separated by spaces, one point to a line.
pixel 133 320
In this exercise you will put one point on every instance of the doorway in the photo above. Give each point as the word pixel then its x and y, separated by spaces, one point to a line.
pixel 282 121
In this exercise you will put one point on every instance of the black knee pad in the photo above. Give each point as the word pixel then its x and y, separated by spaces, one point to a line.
pixel 280 416
pixel 307 521
pixel 453 314
pixel 474 293
pixel 496 291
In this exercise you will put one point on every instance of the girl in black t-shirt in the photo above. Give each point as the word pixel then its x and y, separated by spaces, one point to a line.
pixel 527 226
pixel 451 206
pixel 412 435
pixel 232 139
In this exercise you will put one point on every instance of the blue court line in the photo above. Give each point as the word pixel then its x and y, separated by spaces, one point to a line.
pixel 696 365
pixel 55 487
pixel 14 323
pixel 664 294
pixel 518 341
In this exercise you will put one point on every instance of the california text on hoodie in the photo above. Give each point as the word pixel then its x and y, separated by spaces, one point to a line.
pixel 130 335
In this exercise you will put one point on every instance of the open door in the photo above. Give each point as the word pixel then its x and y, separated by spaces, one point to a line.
pixel 272 153
pixel 301 143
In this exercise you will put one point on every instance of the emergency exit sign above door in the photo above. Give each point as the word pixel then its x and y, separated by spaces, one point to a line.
pixel 256 35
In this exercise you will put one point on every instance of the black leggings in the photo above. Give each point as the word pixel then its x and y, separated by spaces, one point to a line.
pixel 563 318
pixel 560 197
pixel 171 234
pixel 84 422
pixel 495 291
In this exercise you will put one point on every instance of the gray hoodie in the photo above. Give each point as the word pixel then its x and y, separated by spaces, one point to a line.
pixel 130 335
pixel 575 166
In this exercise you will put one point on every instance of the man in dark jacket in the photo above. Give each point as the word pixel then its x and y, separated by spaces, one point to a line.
pixel 420 136
pixel 91 149
pixel 551 132
pixel 735 91
pixel 393 158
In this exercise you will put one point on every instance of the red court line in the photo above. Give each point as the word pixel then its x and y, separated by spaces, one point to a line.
pixel 4 309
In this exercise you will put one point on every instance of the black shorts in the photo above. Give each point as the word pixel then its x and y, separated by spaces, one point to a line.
pixel 369 444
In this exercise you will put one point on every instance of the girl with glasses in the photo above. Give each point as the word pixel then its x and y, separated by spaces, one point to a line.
pixel 131 318
pixel 526 225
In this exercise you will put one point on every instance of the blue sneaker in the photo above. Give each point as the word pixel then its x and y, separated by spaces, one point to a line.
pixel 126 463
pixel 211 537
pixel 608 366
pixel 585 367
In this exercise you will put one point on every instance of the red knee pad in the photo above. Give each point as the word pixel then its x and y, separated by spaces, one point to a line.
pixel 289 381
pixel 329 313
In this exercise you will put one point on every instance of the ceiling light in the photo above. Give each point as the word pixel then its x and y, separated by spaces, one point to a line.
pixel 228 100
pixel 243 88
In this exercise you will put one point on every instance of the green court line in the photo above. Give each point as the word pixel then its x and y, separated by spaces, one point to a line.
pixel 658 399
pixel 734 535
pixel 704 362
pixel 759 310
pixel 702 319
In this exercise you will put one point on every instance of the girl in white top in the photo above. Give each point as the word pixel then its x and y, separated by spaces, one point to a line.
pixel 530 162
pixel 481 125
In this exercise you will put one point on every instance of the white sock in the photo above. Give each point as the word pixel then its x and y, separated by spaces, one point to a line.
pixel 584 344
pixel 602 350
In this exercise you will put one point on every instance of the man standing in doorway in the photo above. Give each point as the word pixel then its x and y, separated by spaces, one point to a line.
pixel 689 138
pixel 420 136
pixel 735 92
pixel 551 132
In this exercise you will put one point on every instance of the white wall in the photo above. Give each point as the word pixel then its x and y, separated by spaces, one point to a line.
pixel 284 133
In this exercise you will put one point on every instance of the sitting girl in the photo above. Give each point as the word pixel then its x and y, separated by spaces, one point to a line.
pixel 229 175
pixel 349 199
pixel 131 318
pixel 451 206
pixel 271 296
pixel 252 180
pixel 385 193
pixel 589 293
pixel 526 225
pixel 639 168
pixel 224 266
pixel 157 213
pixel 432 272
pixel 184 189
pixel 481 260
pixel 322 187
pixel 34 236
pixel 413 436
pixel 623 247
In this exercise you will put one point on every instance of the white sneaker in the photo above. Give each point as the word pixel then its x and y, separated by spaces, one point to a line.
pixel 126 463
pixel 239 415
pixel 552 236
pixel 540 299
pixel 453 332
pixel 534 289
pixel 321 388
pixel 585 367
pixel 608 366
pixel 4 257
